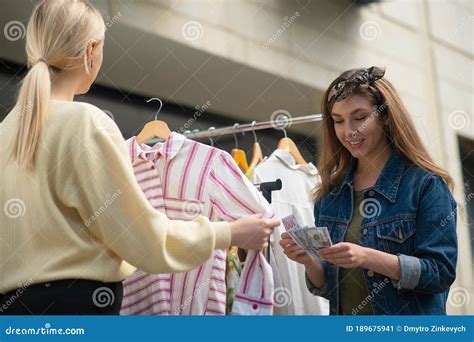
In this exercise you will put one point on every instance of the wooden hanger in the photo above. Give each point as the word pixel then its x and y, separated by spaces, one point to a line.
pixel 239 155
pixel 154 128
pixel 240 158
pixel 257 155
pixel 289 145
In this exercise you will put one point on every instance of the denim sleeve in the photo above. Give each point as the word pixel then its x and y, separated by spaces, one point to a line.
pixel 323 291
pixel 432 267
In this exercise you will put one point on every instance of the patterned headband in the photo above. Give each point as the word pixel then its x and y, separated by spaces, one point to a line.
pixel 358 78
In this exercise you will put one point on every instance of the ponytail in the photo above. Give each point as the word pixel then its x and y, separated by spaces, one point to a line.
pixel 57 38
pixel 32 105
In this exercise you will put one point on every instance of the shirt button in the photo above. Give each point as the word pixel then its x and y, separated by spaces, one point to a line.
pixel 371 193
pixel 375 284
pixel 364 231
pixel 255 306
pixel 370 273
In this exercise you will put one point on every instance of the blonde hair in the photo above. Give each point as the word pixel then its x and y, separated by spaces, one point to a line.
pixel 402 136
pixel 58 35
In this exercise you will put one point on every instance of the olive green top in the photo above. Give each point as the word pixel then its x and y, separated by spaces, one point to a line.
pixel 353 293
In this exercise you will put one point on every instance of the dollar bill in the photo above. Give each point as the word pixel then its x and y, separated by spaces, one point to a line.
pixel 302 237
pixel 289 222
pixel 311 239
pixel 317 237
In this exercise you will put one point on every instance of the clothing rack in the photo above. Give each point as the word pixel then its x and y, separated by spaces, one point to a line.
pixel 281 124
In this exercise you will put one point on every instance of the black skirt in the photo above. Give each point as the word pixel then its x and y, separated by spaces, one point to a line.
pixel 64 297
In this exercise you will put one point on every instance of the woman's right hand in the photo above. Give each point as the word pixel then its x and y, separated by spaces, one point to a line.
pixel 314 269
pixel 293 251
pixel 252 232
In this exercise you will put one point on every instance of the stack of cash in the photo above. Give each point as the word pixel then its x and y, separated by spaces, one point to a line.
pixel 311 239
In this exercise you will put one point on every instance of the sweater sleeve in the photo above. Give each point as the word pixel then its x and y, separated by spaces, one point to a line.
pixel 97 180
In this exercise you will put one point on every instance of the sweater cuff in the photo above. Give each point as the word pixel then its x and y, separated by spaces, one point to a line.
pixel 222 230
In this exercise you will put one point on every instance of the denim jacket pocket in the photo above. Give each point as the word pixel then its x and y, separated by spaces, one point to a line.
pixel 396 236
pixel 335 227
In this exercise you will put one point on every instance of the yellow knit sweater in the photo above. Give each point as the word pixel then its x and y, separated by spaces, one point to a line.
pixel 81 214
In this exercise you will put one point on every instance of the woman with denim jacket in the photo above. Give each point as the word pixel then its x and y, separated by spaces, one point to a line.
pixel 387 205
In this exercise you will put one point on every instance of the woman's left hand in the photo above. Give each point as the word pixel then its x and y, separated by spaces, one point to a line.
pixel 344 254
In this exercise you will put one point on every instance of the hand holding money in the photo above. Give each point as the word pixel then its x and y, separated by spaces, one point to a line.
pixel 293 251
pixel 309 239
pixel 345 254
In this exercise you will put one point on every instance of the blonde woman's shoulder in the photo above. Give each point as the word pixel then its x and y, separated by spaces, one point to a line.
pixel 75 108
pixel 77 114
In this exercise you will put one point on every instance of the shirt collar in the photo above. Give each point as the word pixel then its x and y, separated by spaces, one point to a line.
pixel 286 158
pixel 388 181
pixel 168 149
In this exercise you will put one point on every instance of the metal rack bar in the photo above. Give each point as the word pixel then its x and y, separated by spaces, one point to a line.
pixel 281 123
pixel 276 124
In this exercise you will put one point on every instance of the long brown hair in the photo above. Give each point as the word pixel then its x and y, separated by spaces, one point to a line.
pixel 402 136
pixel 57 38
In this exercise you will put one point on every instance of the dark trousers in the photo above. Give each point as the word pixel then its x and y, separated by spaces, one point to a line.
pixel 64 297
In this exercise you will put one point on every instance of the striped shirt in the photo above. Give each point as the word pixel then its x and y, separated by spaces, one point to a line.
pixel 183 179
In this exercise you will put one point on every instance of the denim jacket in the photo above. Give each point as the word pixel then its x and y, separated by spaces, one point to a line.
pixel 409 212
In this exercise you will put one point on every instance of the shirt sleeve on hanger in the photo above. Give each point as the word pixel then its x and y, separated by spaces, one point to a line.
pixel 234 196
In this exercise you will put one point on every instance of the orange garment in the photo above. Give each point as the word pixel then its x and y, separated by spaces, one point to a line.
pixel 240 158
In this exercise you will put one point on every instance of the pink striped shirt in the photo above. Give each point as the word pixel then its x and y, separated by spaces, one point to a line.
pixel 185 179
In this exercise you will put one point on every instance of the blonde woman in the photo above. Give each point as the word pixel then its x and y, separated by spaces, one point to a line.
pixel 387 205
pixel 74 219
